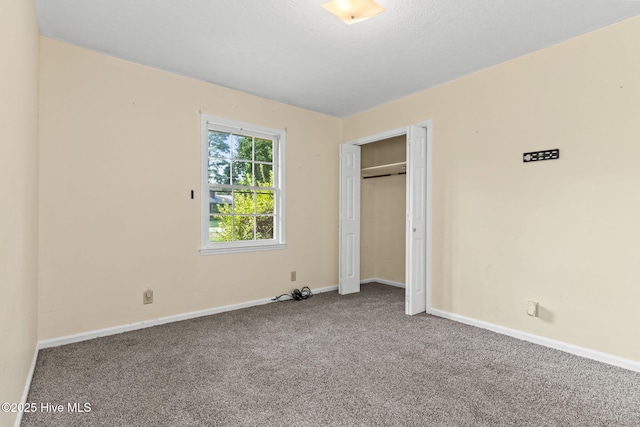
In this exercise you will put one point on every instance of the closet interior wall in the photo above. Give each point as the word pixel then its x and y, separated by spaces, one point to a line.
pixel 383 212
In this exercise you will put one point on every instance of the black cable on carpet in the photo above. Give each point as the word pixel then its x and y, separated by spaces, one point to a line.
pixel 297 295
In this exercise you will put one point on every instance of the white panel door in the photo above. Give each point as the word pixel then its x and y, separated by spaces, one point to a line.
pixel 416 241
pixel 349 246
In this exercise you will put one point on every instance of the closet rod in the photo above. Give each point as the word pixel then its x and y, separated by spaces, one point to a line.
pixel 380 176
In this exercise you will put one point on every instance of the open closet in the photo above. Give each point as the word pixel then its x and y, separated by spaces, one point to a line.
pixel 383 211
pixel 382 173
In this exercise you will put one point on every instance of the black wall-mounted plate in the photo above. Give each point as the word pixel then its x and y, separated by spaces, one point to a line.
pixel 536 156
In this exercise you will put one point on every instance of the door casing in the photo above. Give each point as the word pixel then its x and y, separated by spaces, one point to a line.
pixel 344 285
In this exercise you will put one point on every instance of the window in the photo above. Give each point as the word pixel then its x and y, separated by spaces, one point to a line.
pixel 243 191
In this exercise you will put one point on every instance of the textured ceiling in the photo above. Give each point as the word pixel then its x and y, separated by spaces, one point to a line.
pixel 295 52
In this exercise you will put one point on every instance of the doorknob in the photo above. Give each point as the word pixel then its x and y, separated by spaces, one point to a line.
pixel 414 230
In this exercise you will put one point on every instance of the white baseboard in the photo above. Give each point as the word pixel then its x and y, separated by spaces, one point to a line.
pixel 83 336
pixel 629 364
pixel 610 359
pixel 27 385
pixel 383 281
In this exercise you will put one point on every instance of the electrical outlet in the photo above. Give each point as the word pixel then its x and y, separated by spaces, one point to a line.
pixel 532 308
pixel 293 276
pixel 147 296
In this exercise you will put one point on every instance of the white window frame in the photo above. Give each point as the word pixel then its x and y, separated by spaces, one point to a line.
pixel 278 137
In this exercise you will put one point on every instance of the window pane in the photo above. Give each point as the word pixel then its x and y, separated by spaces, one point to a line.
pixel 242 147
pixel 219 171
pixel 243 227
pixel 264 175
pixel 242 173
pixel 264 150
pixel 219 144
pixel 241 177
pixel 264 227
pixel 220 228
pixel 264 202
pixel 220 201
pixel 243 202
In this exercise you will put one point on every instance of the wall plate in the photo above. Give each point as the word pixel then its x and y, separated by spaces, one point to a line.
pixel 536 156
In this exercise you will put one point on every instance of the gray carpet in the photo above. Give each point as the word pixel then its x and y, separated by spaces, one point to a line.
pixel 331 360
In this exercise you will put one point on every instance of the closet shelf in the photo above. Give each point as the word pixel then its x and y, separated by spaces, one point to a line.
pixel 381 170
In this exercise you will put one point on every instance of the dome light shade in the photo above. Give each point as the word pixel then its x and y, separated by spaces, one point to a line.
pixel 352 11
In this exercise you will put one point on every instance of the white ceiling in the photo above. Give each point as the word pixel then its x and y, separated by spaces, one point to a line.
pixel 295 52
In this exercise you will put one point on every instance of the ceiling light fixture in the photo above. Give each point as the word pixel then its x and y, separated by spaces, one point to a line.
pixel 352 11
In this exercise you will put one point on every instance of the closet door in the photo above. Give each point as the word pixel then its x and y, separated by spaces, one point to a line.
pixel 416 262
pixel 349 226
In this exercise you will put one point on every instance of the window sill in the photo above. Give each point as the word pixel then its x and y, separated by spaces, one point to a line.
pixel 239 249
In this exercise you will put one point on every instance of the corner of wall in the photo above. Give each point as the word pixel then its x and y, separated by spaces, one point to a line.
pixel 19 51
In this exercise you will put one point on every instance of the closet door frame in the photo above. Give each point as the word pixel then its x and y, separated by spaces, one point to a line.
pixel 423 264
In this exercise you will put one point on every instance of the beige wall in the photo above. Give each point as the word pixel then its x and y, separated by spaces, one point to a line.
pixel 383 228
pixel 390 150
pixel 120 153
pixel 119 156
pixel 383 214
pixel 18 196
pixel 563 232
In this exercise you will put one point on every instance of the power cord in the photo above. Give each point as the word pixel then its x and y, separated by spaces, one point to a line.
pixel 297 294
